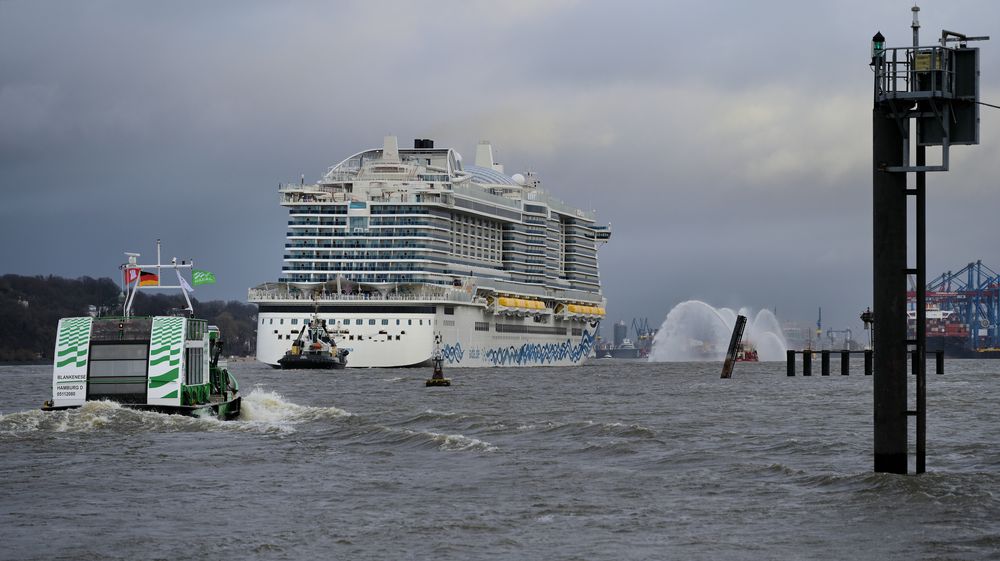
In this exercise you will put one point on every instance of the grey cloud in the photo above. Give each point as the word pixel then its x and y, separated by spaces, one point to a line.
pixel 727 143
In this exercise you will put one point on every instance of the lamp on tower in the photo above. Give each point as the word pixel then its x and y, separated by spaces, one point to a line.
pixel 878 46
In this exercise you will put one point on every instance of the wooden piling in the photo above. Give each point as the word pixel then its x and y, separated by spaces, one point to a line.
pixel 734 347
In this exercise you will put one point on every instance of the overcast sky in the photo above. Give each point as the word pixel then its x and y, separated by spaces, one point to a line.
pixel 727 143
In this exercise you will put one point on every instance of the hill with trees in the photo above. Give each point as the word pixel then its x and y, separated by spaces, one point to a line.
pixel 30 309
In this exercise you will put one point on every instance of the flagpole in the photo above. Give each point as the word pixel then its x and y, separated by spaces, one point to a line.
pixel 184 290
pixel 131 296
pixel 159 273
pixel 131 287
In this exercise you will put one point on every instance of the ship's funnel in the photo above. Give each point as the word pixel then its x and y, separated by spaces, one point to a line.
pixel 484 156
pixel 390 149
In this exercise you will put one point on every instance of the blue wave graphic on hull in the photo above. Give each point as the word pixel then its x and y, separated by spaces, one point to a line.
pixel 453 353
pixel 535 353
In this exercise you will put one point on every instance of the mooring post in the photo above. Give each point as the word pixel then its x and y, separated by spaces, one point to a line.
pixel 734 347
pixel 807 362
pixel 824 363
pixel 939 361
pixel 790 358
pixel 869 359
pixel 845 363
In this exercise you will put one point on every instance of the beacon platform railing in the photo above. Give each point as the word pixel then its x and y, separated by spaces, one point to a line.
pixel 915 72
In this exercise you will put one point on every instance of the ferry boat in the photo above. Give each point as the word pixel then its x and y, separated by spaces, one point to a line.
pixel 166 364
pixel 398 246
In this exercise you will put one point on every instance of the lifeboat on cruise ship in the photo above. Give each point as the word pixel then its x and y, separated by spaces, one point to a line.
pixel 580 310
pixel 515 306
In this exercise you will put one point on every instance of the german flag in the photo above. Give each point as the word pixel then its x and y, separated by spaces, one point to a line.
pixel 148 279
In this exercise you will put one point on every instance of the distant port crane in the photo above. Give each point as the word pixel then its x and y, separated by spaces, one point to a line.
pixel 973 295
pixel 641 328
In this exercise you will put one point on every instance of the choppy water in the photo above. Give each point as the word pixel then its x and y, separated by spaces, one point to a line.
pixel 614 460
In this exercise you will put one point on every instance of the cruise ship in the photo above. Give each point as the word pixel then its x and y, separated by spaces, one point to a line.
pixel 409 252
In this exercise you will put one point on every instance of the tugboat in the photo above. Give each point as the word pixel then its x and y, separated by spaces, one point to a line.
pixel 315 351
pixel 166 364
pixel 747 353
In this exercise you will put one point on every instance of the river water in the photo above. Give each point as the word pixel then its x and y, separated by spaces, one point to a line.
pixel 613 460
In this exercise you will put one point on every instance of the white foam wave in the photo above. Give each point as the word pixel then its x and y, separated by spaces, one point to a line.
pixel 450 442
pixel 460 442
pixel 261 411
pixel 13 424
pixel 267 406
pixel 94 416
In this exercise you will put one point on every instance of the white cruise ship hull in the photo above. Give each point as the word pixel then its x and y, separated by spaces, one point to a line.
pixel 471 336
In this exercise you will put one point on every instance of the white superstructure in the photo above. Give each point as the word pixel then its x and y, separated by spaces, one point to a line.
pixel 399 245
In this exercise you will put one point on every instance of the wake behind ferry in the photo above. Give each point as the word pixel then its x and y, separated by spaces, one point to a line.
pixel 397 247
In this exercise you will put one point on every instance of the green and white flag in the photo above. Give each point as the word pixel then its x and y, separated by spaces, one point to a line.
pixel 202 277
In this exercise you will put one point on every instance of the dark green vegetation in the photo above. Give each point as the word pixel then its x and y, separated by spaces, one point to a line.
pixel 30 309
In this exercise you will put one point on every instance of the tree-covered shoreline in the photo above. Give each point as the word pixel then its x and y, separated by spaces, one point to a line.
pixel 31 306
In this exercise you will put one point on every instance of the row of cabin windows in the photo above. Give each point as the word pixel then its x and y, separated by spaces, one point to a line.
pixel 295 321
pixel 349 338
pixel 515 328
pixel 370 338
